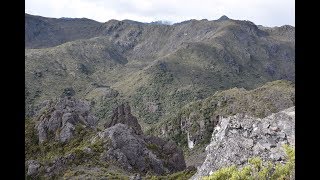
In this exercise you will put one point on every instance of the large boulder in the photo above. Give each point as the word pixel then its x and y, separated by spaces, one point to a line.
pixel 240 137
pixel 135 152
pixel 122 114
pixel 32 167
pixel 60 117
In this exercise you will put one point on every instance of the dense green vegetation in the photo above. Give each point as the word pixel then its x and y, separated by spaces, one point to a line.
pixel 269 98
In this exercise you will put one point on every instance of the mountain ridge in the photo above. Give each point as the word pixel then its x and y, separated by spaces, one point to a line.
pixel 186 61
pixel 58 24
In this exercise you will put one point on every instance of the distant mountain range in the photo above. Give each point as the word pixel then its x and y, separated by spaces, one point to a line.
pixel 158 68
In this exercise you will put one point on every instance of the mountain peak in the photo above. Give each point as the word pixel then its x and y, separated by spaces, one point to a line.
pixel 224 17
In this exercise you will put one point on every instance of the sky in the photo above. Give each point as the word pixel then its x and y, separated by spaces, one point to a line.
pixel 262 12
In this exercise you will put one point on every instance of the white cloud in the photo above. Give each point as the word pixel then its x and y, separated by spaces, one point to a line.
pixel 264 12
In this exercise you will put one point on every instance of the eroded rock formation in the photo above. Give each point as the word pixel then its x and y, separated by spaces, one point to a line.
pixel 122 114
pixel 60 118
pixel 240 137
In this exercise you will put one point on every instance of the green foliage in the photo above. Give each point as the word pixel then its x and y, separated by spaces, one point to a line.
pixel 153 147
pixel 180 138
pixel 257 169
pixel 81 137
pixel 98 146
pixel 222 174
pixel 269 98
pixel 31 139
pixel 182 175
pixel 103 110
pixel 285 171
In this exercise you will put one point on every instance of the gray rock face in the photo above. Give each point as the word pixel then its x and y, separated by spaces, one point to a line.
pixel 61 117
pixel 33 167
pixel 135 152
pixel 240 137
pixel 122 114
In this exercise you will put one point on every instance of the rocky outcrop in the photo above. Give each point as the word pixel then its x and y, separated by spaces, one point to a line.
pixel 135 152
pixel 122 145
pixel 59 118
pixel 122 114
pixel 32 168
pixel 240 137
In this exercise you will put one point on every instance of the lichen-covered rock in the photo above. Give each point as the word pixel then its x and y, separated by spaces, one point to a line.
pixel 240 137
pixel 60 117
pixel 122 114
pixel 66 132
pixel 33 167
pixel 132 151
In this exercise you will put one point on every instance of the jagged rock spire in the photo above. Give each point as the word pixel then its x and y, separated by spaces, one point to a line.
pixel 122 114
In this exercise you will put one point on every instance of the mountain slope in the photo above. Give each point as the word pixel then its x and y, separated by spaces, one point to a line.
pixel 158 68
pixel 192 125
pixel 47 32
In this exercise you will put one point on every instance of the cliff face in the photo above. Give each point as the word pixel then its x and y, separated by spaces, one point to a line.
pixel 237 138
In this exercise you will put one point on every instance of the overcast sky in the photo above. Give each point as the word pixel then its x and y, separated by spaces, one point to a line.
pixel 261 12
